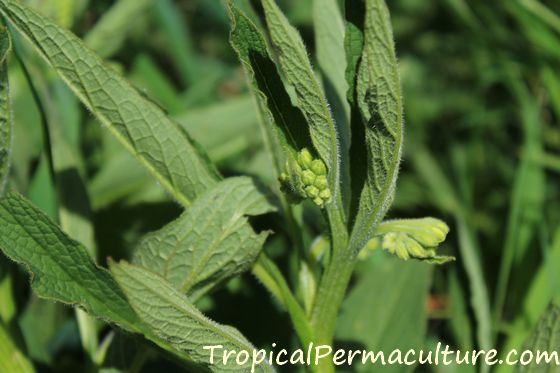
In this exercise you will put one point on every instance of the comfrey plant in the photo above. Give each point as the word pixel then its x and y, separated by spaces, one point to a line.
pixel 334 137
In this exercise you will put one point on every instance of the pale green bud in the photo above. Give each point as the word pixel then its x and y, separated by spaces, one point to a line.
pixel 325 194
pixel 414 248
pixel 321 182
pixel 318 167
pixel 318 201
pixel 312 192
pixel 390 242
pixel 284 178
pixel 305 158
pixel 308 177
pixel 401 250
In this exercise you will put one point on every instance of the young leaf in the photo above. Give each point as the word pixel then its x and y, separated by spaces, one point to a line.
pixel 282 119
pixel 210 242
pixel 173 318
pixel 5 112
pixel 74 211
pixel 297 69
pixel 379 100
pixel 143 128
pixel 330 42
pixel 61 268
pixel 545 338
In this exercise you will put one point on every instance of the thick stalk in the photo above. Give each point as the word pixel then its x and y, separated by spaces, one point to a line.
pixel 330 295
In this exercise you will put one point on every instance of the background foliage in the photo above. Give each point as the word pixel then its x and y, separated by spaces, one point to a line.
pixel 481 83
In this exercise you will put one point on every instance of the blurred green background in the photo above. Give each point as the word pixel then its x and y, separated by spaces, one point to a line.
pixel 481 85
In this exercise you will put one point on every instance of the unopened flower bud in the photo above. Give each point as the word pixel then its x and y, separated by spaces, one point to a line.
pixel 318 167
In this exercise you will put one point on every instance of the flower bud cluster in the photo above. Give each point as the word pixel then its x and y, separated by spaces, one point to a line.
pixel 307 177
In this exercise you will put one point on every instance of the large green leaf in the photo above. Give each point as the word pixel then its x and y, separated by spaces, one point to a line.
pixel 60 107
pixel 5 110
pixel 173 318
pixel 297 69
pixel 143 128
pixel 211 241
pixel 386 310
pixel 282 119
pixel 61 268
pixel 63 271
pixel 545 338
pixel 379 100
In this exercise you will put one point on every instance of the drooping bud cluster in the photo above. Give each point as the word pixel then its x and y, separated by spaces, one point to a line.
pixel 417 239
pixel 306 178
pixel 414 238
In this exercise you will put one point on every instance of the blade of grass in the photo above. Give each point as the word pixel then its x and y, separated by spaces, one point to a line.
pixel 12 359
pixel 445 197
pixel 527 196
pixel 111 31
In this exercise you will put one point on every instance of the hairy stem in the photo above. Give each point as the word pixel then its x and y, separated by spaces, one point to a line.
pixel 331 291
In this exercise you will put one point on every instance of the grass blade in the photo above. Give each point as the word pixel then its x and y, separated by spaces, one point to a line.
pixel 111 31
pixel 12 360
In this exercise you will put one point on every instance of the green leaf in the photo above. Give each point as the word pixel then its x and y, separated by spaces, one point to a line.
pixel 379 100
pixel 545 338
pixel 142 127
pixel 296 67
pixel 283 121
pixel 173 318
pixel 74 211
pixel 5 110
pixel 330 43
pixel 61 268
pixel 110 32
pixel 63 271
pixel 12 360
pixel 211 242
pixel 386 310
